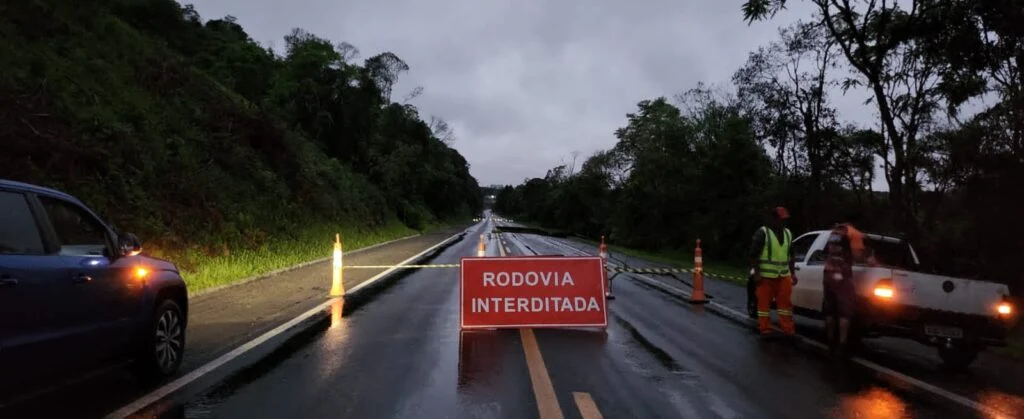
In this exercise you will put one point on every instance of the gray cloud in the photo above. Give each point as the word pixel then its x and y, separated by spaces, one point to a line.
pixel 524 83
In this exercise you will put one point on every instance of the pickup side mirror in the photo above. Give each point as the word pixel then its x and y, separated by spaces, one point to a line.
pixel 128 244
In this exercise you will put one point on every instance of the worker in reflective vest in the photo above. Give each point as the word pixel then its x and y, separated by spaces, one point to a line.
pixel 772 260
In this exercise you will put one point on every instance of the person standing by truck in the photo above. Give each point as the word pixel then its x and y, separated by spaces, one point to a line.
pixel 772 260
pixel 844 248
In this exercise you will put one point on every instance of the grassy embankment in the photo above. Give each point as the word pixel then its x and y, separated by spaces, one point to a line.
pixel 208 271
pixel 315 243
pixel 131 107
pixel 684 259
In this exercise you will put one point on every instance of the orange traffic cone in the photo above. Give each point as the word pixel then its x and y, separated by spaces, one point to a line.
pixel 482 249
pixel 698 276
pixel 603 252
pixel 337 283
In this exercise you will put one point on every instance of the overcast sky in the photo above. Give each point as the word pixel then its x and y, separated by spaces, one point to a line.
pixel 525 83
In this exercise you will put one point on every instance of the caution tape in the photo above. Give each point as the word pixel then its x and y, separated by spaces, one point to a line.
pixel 662 271
pixel 653 271
pixel 442 265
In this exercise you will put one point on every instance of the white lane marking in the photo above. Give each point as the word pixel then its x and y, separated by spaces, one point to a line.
pixel 175 385
pixel 187 379
pixel 956 398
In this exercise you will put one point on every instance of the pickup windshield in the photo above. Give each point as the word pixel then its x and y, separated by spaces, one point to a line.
pixel 890 253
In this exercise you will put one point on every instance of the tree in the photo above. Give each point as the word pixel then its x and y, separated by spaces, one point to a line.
pixel 384 69
pixel 785 91
pixel 442 130
pixel 879 43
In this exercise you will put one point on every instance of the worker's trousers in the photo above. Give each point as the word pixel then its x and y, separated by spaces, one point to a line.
pixel 781 290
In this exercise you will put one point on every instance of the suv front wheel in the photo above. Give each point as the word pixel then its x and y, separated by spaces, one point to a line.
pixel 163 345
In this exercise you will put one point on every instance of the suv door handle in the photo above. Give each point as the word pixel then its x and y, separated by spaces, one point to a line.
pixel 8 282
pixel 82 279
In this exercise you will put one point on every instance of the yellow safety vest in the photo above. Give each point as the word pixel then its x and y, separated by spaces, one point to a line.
pixel 774 260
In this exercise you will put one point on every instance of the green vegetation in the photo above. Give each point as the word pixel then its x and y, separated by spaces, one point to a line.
pixel 684 259
pixel 222 155
pixel 317 243
pixel 945 81
pixel 673 258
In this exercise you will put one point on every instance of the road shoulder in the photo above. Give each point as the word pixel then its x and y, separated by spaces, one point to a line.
pixel 226 318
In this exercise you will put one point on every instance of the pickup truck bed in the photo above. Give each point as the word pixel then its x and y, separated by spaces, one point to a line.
pixel 960 316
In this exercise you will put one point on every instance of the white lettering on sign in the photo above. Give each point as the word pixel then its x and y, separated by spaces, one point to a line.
pixel 532 279
pixel 533 304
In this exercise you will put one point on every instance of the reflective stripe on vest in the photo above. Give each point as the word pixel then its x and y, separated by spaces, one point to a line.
pixel 774 260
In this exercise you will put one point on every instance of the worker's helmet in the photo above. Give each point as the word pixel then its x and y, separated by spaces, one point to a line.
pixel 780 213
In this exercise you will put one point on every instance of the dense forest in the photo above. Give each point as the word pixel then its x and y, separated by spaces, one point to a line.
pixel 191 134
pixel 944 78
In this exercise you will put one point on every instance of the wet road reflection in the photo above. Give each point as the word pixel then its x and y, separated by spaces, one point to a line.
pixel 478 350
pixel 403 355
pixel 871 403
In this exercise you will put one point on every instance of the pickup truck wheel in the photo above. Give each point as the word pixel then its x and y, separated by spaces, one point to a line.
pixel 958 357
pixel 163 345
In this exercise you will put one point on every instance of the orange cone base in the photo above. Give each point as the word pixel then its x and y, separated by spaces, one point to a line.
pixel 698 297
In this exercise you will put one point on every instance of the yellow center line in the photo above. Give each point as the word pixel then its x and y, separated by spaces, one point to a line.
pixel 543 389
pixel 588 409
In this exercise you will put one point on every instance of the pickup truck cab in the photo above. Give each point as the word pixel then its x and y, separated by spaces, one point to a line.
pixel 959 316
pixel 77 296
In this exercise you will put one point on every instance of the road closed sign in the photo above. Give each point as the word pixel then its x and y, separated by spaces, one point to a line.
pixel 537 291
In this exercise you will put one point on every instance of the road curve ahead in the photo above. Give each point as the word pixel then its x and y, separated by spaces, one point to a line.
pixel 402 355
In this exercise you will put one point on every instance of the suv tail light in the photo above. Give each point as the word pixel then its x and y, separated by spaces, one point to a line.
pixel 1005 309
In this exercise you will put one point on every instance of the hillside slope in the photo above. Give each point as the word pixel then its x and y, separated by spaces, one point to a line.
pixel 204 143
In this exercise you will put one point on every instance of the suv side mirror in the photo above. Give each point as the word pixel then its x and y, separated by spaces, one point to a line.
pixel 129 244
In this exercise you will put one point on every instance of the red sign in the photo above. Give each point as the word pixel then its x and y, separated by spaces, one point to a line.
pixel 537 291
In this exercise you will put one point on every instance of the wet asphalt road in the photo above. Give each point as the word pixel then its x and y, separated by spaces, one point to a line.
pixel 993 381
pixel 402 355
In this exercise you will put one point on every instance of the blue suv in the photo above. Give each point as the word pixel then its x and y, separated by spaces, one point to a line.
pixel 76 296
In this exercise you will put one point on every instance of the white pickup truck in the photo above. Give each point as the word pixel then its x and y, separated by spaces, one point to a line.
pixel 959 316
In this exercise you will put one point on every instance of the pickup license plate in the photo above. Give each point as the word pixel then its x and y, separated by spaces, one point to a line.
pixel 944 331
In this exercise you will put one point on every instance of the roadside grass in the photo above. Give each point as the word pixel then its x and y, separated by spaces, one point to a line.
pixel 313 243
pixel 208 271
pixel 725 270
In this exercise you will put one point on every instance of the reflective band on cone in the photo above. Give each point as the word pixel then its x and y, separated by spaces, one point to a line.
pixel 698 276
